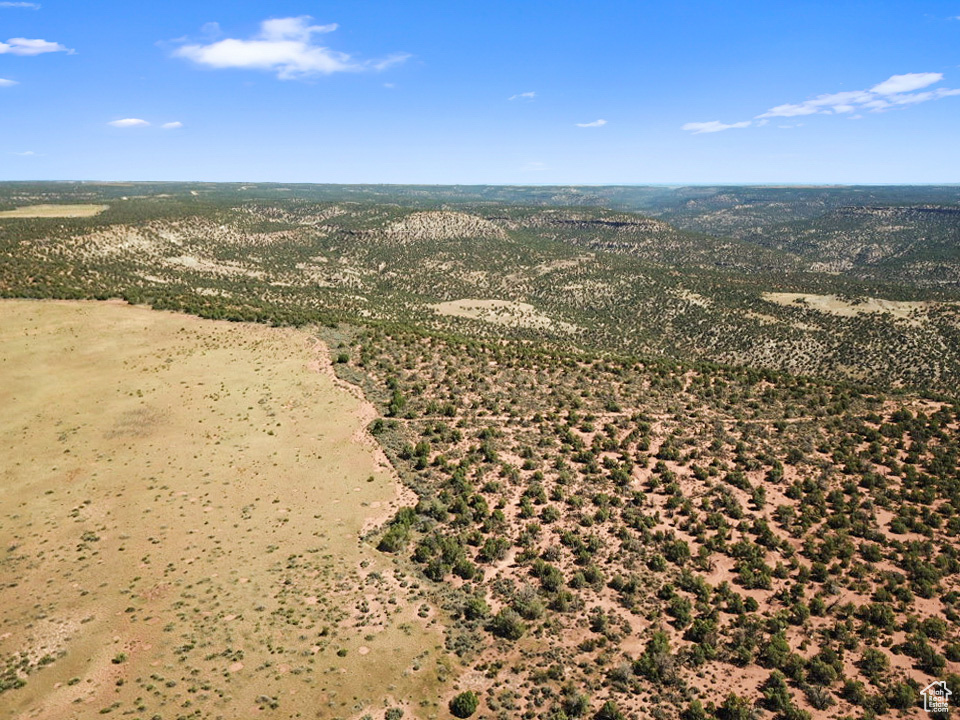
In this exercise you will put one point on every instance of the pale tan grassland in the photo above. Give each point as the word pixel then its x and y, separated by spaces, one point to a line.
pixel 179 530
pixel 501 312
pixel 54 211
pixel 913 310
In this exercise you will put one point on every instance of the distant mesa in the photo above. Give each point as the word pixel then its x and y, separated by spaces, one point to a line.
pixel 441 225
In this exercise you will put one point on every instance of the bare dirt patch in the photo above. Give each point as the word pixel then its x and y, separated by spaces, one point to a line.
pixel 211 266
pixel 502 312
pixel 566 264
pixel 54 211
pixel 912 310
pixel 694 298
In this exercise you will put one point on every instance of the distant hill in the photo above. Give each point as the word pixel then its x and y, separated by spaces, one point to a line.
pixel 598 278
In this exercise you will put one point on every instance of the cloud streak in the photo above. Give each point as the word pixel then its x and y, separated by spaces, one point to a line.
pixel 172 125
pixel 897 91
pixel 595 123
pixel 24 5
pixel 26 46
pixel 128 122
pixel 713 126
pixel 906 83
pixel 7 83
pixel 286 46
pixel 523 96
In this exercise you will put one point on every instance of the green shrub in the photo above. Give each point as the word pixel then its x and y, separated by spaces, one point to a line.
pixel 507 624
pixel 695 711
pixel 465 704
pixel 609 711
pixel 901 696
pixel 735 707
pixel 394 539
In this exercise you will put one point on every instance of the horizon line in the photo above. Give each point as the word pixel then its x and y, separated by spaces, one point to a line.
pixel 504 184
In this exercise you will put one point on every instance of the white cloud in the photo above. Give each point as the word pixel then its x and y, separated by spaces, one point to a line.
pixel 790 111
pixel 7 83
pixel 128 122
pixel 895 91
pixel 713 126
pixel 914 98
pixel 906 83
pixel 595 123
pixel 292 28
pixel 28 153
pixel 523 96
pixel 27 5
pixel 837 102
pixel 285 46
pixel 172 125
pixel 388 61
pixel 26 46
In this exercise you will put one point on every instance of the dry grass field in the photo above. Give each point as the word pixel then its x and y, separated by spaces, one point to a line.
pixel 501 312
pixel 182 506
pixel 901 309
pixel 54 211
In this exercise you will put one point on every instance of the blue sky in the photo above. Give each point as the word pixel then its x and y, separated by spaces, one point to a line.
pixel 522 92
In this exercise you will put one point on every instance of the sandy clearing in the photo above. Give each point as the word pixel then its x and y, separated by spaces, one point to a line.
pixel 912 310
pixel 694 298
pixel 206 265
pixel 502 312
pixel 54 211
pixel 566 264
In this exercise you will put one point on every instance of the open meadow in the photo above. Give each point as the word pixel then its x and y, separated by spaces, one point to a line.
pixel 54 211
pixel 182 507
